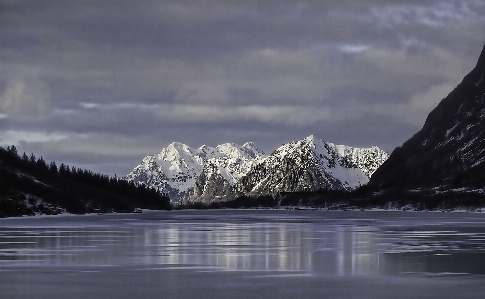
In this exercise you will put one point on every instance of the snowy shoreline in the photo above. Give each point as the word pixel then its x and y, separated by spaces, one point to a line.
pixel 283 208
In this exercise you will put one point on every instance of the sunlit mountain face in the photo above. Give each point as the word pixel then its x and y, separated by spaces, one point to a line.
pixel 209 174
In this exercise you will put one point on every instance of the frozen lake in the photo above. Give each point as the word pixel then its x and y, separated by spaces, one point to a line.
pixel 244 254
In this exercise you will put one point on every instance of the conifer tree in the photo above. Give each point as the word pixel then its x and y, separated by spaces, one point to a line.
pixel 13 150
pixel 53 167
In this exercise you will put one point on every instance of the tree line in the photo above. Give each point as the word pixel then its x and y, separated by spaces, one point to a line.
pixel 30 185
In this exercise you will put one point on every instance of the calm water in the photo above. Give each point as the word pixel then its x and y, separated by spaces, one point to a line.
pixel 243 254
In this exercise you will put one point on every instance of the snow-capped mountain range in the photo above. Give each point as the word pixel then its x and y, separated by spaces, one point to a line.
pixel 210 174
pixel 177 167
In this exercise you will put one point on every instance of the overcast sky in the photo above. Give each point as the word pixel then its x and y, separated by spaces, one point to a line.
pixel 101 84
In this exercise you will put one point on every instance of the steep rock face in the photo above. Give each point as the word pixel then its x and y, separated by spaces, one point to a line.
pixel 450 148
pixel 210 186
pixel 367 159
pixel 311 164
pixel 149 173
pixel 178 168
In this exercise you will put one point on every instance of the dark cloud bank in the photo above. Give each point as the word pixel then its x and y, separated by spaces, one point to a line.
pixel 100 84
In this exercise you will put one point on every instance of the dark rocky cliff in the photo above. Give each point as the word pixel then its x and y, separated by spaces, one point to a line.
pixel 450 148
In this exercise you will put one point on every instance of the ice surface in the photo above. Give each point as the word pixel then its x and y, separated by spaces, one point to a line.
pixel 244 254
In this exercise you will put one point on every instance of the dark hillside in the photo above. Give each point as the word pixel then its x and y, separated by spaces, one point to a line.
pixel 30 185
pixel 450 148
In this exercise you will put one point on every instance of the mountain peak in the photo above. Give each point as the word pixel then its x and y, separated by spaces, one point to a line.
pixel 310 138
pixel 227 145
pixel 311 164
pixel 174 152
pixel 253 150
pixel 177 146
pixel 207 174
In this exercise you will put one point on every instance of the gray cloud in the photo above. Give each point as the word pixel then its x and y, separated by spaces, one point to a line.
pixel 104 83
pixel 25 97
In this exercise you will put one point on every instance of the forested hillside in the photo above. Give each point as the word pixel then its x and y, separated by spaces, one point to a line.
pixel 30 185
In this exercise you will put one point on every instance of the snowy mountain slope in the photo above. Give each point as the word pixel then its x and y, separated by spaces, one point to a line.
pixel 177 167
pixel 210 186
pixel 311 164
pixel 220 173
pixel 367 159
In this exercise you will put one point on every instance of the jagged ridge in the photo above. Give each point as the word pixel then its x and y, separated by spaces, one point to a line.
pixel 211 174
pixel 178 168
pixel 311 164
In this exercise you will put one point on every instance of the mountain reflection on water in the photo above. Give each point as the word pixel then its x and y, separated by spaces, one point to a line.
pixel 267 246
pixel 297 244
